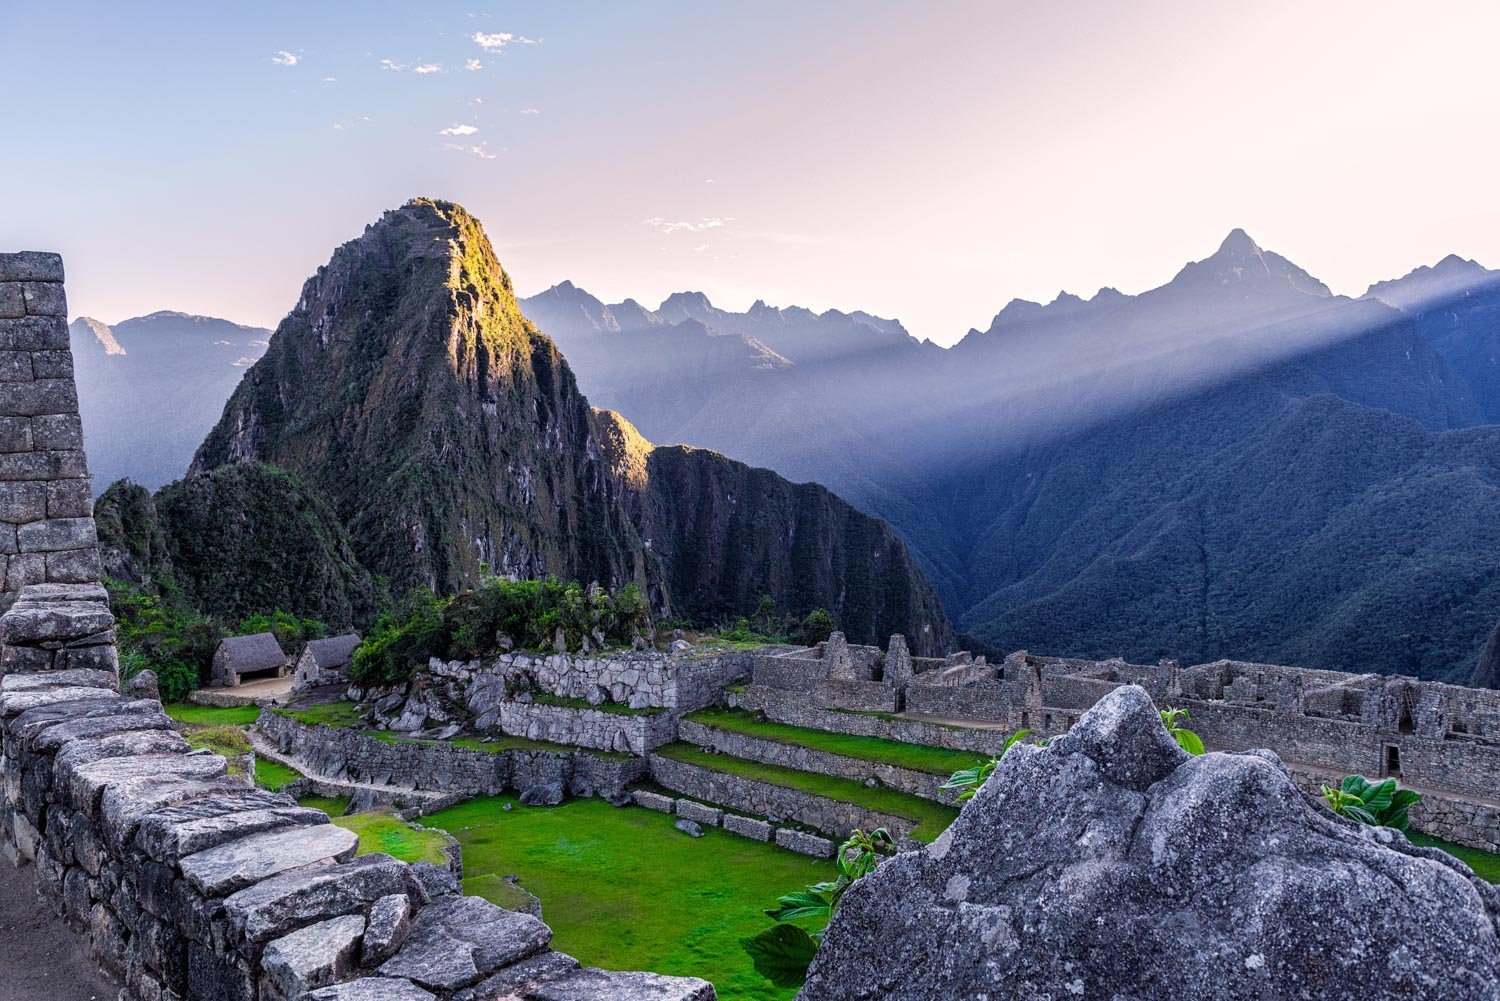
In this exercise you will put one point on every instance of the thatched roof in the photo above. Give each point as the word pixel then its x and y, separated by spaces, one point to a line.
pixel 333 652
pixel 259 652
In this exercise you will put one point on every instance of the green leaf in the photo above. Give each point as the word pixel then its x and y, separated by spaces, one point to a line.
pixel 1188 741
pixel 782 954
pixel 801 904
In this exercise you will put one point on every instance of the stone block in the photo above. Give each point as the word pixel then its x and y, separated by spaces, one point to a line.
pixel 69 499
pixel 748 827
pixel 52 535
pixel 31 266
pixel 22 502
pixel 41 396
pixel 45 298
pixel 15 366
pixel 373 989
pixel 313 957
pixel 105 658
pixel 43 465
pixel 609 985
pixel 57 431
pixel 87 783
pixel 275 906
pixel 234 865
pixel 216 975
pixel 456 940
pixel 15 434
pixel 28 622
pixel 34 333
pixel 25 660
pixel 709 816
pixel 22 571
pixel 653 801
pixel 386 928
pixel 804 843
pixel 52 364
pixel 12 302
pixel 78 566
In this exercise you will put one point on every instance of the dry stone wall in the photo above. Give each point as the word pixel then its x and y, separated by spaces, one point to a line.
pixel 46 507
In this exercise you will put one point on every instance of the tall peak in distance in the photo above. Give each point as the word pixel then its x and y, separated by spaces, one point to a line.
pixel 86 327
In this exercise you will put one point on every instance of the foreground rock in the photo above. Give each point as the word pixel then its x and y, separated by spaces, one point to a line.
pixel 1111 865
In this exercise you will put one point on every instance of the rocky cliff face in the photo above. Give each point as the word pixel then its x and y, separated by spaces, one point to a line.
pixel 446 433
pixel 1111 865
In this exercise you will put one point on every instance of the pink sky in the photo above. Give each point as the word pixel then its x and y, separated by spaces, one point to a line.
pixel 926 161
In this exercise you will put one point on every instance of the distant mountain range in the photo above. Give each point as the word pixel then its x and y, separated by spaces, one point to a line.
pixel 151 386
pixel 1237 463
pixel 409 426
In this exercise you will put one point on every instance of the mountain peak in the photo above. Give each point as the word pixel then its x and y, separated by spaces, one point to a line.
pixel 1238 244
pixel 87 326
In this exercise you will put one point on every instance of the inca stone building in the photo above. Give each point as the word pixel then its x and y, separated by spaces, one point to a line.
pixel 187 882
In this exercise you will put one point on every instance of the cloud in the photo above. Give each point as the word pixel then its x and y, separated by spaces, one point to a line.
pixel 473 64
pixel 480 150
pixel 683 226
pixel 392 65
pixel 260 344
pixel 285 58
pixel 222 343
pixel 242 362
pixel 458 130
pixel 497 41
pixel 329 79
pixel 531 111
pixel 426 68
pixel 338 126
pixel 701 246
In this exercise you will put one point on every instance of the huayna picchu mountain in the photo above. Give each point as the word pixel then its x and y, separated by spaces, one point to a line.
pixel 406 392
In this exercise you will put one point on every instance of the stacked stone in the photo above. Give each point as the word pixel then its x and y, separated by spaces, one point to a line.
pixel 46 528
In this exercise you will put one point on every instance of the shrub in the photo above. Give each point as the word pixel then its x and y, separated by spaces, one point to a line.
pixel 404 638
pixel 162 633
pixel 291 632
pixel 816 628
pixel 1378 804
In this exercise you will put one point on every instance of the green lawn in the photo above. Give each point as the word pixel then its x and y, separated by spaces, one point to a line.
pixel 1486 865
pixel 334 806
pixel 623 890
pixel 187 712
pixel 273 775
pixel 568 702
pixel 346 715
pixel 383 831
pixel 932 818
pixel 918 757
pixel 339 714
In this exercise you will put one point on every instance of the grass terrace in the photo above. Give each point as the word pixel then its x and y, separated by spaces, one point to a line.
pixel 623 890
pixel 1486 865
pixel 196 715
pixel 568 702
pixel 918 757
pixel 931 818
pixel 346 715
pixel 273 775
pixel 339 714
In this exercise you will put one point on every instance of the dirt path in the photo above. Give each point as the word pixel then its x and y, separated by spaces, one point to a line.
pixel 40 957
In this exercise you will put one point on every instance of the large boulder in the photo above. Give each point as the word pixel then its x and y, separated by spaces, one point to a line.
pixel 1110 865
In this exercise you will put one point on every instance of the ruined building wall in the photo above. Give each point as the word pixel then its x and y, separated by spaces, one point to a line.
pixel 46 523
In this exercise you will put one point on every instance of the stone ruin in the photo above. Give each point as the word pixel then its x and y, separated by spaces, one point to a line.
pixel 186 881
pixel 1112 865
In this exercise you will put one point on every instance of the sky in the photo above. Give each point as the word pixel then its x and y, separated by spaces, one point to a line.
pixel 927 160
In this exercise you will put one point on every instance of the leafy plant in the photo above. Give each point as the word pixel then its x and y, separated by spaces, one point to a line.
pixel 1378 804
pixel 816 628
pixel 783 952
pixel 971 779
pixel 162 633
pixel 1186 739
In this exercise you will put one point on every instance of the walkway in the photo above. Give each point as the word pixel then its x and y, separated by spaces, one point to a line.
pixel 40 957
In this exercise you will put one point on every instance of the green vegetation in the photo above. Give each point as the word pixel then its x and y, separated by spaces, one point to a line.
pixel 290 631
pixel 931 818
pixel 383 831
pixel 339 714
pixel 496 614
pixel 162 633
pixel 273 775
pixel 618 708
pixel 347 715
pixel 1486 865
pixel 918 757
pixel 1378 804
pixel 334 806
pixel 187 712
pixel 1186 739
pixel 498 890
pixel 783 952
pixel 623 890
pixel 765 626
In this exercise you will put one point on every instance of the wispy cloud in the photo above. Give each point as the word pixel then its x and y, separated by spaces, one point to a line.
pixel 260 344
pixel 426 68
pixel 701 247
pixel 330 79
pixel 392 65
pixel 285 58
pixel 531 111
pixel 458 130
pixel 481 150
pixel 684 226
pixel 498 40
pixel 473 64
pixel 242 362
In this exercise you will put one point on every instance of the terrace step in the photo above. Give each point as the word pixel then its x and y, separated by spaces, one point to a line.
pixel 829 804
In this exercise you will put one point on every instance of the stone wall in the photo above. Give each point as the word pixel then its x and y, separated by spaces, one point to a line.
pixel 794 709
pixel 805 759
pixel 629 733
pixel 748 795
pixel 343 754
pixel 46 506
